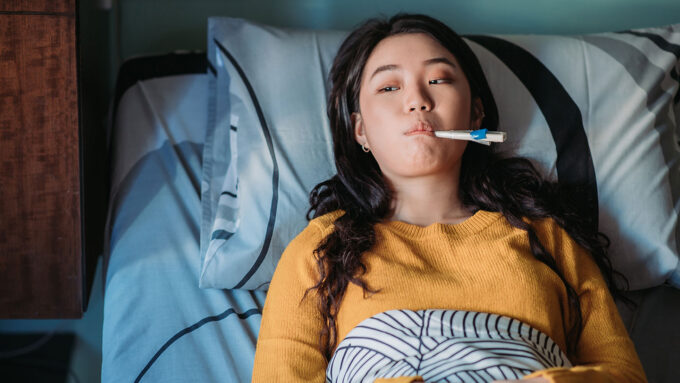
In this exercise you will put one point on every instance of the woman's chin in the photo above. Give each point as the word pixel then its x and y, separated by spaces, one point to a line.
pixel 418 169
pixel 421 157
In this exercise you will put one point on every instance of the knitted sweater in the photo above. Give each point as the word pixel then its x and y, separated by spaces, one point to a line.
pixel 482 264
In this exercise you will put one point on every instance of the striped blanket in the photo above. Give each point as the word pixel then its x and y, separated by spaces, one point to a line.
pixel 442 346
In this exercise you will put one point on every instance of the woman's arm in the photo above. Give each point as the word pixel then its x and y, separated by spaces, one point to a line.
pixel 288 342
pixel 605 352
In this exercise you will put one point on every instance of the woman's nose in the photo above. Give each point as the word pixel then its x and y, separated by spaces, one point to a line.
pixel 419 100
pixel 424 107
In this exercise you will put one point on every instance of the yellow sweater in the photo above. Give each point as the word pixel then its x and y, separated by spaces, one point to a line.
pixel 483 264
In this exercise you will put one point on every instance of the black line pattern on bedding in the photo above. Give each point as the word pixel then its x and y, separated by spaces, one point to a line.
pixel 648 77
pixel 221 234
pixel 666 46
pixel 197 325
pixel 275 167
pixel 575 168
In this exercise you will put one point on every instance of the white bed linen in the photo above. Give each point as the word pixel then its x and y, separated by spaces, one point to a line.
pixel 158 324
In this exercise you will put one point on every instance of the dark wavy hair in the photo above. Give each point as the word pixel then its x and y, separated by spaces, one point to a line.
pixel 488 181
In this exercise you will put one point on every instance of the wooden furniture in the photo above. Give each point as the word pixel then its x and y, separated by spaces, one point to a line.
pixel 43 269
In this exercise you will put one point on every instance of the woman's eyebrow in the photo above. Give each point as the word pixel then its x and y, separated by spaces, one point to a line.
pixel 436 60
pixel 383 68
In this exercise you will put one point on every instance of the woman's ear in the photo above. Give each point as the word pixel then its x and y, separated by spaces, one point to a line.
pixel 478 116
pixel 359 131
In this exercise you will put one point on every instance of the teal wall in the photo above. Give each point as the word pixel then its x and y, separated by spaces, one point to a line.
pixel 163 25
pixel 138 27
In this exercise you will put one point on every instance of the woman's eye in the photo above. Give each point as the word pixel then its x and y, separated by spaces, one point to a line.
pixel 439 81
pixel 388 89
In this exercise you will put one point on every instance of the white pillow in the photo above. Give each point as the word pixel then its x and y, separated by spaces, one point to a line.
pixel 280 156
pixel 595 109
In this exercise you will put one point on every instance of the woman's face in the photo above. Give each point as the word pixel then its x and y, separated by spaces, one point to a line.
pixel 411 85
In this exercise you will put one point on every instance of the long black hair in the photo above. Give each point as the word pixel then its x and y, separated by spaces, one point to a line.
pixel 488 181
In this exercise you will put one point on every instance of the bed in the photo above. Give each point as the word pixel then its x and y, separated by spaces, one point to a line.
pixel 165 318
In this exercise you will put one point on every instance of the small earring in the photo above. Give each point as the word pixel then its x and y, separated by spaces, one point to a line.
pixel 365 149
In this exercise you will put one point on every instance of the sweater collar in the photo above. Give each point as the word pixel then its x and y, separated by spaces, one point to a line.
pixel 476 223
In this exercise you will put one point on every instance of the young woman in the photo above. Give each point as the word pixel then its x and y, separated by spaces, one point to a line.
pixel 431 259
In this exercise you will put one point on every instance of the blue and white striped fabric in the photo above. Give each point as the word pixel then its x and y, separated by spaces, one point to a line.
pixel 442 346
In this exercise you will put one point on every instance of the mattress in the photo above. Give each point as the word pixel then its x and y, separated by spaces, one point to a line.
pixel 158 324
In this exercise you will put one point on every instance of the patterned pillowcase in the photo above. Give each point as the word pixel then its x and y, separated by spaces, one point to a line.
pixel 598 110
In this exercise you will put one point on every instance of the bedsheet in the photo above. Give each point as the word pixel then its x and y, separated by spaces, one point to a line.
pixel 158 324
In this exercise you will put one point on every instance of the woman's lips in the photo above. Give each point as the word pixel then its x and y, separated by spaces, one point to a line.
pixel 421 132
pixel 421 127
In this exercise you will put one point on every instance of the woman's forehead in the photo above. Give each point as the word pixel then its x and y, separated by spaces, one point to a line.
pixel 407 48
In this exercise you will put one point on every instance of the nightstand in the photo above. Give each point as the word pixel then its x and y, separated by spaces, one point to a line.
pixel 44 269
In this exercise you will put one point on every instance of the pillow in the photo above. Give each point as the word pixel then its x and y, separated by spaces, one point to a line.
pixel 264 120
pixel 598 109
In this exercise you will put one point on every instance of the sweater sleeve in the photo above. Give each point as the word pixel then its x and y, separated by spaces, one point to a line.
pixel 287 346
pixel 604 352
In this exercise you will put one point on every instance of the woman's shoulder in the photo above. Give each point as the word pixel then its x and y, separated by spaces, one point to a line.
pixel 555 237
pixel 545 223
pixel 316 230
pixel 546 227
pixel 325 222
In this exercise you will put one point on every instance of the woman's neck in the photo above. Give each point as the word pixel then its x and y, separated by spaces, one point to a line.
pixel 423 201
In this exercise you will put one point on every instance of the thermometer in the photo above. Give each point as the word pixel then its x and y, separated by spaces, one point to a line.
pixel 481 136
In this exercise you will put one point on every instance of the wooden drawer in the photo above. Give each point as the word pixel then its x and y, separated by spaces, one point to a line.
pixel 41 263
